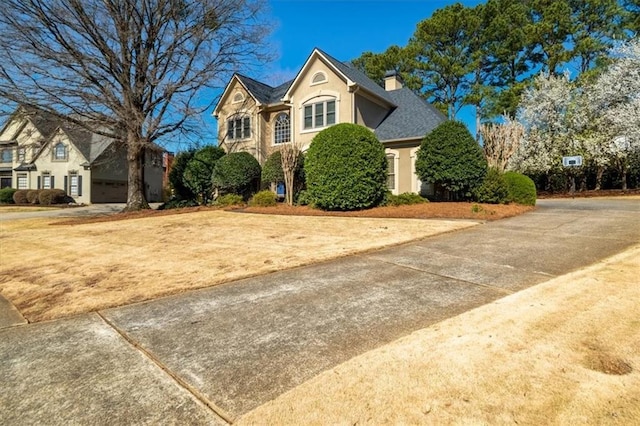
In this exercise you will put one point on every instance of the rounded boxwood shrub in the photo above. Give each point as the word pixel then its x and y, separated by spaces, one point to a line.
pixel 20 196
pixel 6 195
pixel 451 159
pixel 264 198
pixel 346 168
pixel 229 200
pixel 52 196
pixel 521 189
pixel 33 196
pixel 237 173
pixel 494 188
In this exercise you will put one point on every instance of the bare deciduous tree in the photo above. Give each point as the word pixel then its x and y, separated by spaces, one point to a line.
pixel 290 157
pixel 501 141
pixel 132 70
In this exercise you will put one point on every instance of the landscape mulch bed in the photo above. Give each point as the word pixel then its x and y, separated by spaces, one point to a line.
pixel 474 211
pixel 591 193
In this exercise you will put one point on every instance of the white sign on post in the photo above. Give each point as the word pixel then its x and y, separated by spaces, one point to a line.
pixel 575 161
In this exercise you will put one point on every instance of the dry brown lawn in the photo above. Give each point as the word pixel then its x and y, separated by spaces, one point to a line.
pixel 563 352
pixel 54 271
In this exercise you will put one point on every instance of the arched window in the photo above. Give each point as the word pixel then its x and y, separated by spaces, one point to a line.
pixel 282 129
pixel 238 97
pixel 239 127
pixel 319 77
pixel 60 151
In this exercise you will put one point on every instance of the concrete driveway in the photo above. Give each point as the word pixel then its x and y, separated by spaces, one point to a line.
pixel 89 210
pixel 211 355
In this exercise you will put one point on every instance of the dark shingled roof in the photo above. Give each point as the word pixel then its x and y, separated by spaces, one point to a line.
pixel 90 144
pixel 413 118
pixel 264 93
pixel 358 77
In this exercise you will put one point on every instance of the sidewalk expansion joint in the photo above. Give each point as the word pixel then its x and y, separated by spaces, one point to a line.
pixel 218 411
pixel 413 268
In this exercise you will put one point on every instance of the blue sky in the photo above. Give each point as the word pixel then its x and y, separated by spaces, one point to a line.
pixel 344 29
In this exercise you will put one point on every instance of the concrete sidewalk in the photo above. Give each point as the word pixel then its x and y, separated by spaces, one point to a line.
pixel 217 353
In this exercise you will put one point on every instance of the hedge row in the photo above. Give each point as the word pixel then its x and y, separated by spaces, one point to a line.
pixel 45 197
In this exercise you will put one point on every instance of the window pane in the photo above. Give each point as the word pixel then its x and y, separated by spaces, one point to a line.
pixel 391 172
pixel 319 117
pixel 237 124
pixel 282 130
pixel 6 156
pixel 73 187
pixel 230 129
pixel 246 127
pixel 22 181
pixel 308 117
pixel 46 182
pixel 331 112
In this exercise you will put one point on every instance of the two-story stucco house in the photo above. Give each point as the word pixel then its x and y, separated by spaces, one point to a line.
pixel 40 151
pixel 258 118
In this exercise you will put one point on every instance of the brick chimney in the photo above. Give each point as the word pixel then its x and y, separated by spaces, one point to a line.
pixel 392 81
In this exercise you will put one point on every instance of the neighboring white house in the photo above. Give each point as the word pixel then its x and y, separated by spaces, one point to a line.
pixel 257 118
pixel 40 151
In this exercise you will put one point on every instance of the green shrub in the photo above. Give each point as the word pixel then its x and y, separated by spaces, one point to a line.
pixel 199 171
pixel 272 169
pixel 229 200
pixel 405 199
pixel 20 196
pixel 494 188
pixel 176 176
pixel 521 189
pixel 6 195
pixel 346 168
pixel 33 196
pixel 237 173
pixel 451 159
pixel 52 196
pixel 264 198
pixel 304 198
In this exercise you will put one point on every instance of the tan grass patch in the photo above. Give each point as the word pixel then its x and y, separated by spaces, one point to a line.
pixel 54 271
pixel 564 352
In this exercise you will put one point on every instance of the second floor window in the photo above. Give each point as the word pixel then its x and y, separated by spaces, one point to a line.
pixel 60 151
pixel 6 155
pixel 319 114
pixel 21 154
pixel 239 127
pixel 282 129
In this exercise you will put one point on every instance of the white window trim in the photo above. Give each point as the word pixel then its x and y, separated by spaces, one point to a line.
pixel 55 149
pixel 273 133
pixel 396 163
pixel 25 176
pixel 323 97
pixel 323 81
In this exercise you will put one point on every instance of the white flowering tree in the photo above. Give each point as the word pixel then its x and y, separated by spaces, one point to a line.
pixel 614 102
pixel 548 113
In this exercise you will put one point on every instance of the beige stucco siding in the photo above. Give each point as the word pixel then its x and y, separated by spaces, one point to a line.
pixel 369 113
pixel 229 108
pixel 305 92
pixel 58 169
pixel 405 154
